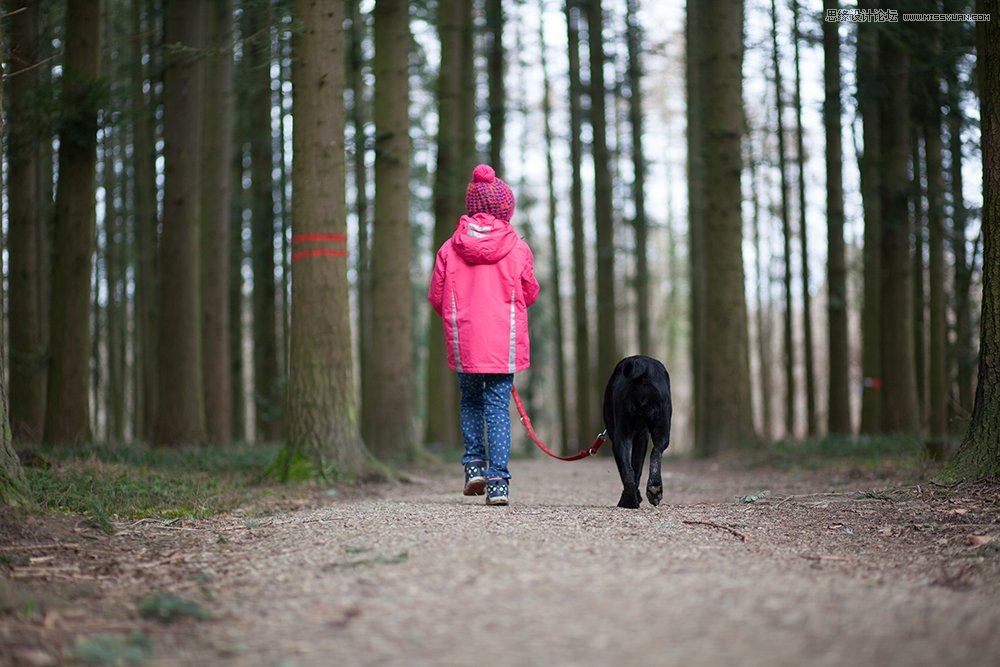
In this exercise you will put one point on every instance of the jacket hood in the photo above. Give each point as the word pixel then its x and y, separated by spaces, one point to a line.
pixel 483 238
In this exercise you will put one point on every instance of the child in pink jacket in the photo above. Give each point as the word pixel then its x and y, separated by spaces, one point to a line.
pixel 482 285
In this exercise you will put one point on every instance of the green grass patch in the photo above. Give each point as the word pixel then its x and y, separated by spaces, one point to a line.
pixel 866 453
pixel 103 649
pixel 167 608
pixel 104 483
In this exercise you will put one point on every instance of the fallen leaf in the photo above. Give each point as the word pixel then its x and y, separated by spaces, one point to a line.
pixel 980 540
pixel 958 510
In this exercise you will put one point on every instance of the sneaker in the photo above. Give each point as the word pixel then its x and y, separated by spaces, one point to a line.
pixel 496 492
pixel 475 479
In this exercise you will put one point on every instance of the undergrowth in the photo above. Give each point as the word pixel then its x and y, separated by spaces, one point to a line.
pixel 867 453
pixel 104 482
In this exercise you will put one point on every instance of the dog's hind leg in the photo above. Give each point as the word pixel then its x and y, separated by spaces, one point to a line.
pixel 639 439
pixel 630 488
pixel 654 485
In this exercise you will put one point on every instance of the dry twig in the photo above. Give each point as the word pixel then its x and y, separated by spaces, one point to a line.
pixel 742 536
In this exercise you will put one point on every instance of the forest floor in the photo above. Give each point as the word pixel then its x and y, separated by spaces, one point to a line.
pixel 741 565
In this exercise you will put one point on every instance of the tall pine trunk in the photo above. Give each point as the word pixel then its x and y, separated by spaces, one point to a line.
pixel 727 365
pixel 322 408
pixel 144 196
pixel 979 455
pixel 812 419
pixel 454 19
pixel 26 225
pixel 900 413
pixel 554 273
pixel 267 390
pixel 788 346
pixel 13 485
pixel 386 408
pixel 67 417
pixel 870 166
pixel 697 54
pixel 215 210
pixel 607 339
pixel 586 404
pixel 495 73
pixel 838 393
pixel 180 415
pixel 639 165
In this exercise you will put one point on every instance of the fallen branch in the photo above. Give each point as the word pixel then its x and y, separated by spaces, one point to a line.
pixel 712 524
pixel 821 557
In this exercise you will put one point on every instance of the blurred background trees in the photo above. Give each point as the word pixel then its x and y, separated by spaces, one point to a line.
pixel 787 210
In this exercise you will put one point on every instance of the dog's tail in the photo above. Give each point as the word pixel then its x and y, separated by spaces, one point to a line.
pixel 633 369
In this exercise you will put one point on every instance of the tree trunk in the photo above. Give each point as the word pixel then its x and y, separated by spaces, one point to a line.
pixel 67 417
pixel 180 415
pixel 554 273
pixel 634 38
pixel 441 426
pixel 26 226
pixel 788 347
pixel 14 489
pixel 963 352
pixel 607 340
pixel 586 403
pixel 727 366
pixel 899 402
pixel 356 81
pixel 322 408
pixel 838 398
pixel 870 167
pixel 697 55
pixel 267 390
pixel 812 419
pixel 386 405
pixel 979 455
pixel 495 73
pixel 144 195
pixel 763 327
pixel 216 165
pixel 918 243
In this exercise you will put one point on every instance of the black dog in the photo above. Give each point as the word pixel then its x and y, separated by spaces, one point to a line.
pixel 636 407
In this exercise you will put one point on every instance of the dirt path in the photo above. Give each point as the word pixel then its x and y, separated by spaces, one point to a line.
pixel 829 573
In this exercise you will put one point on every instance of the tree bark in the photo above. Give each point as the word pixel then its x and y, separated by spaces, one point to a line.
pixel 495 74
pixel 607 339
pixel 697 53
pixel 67 417
pixel 441 426
pixel 788 347
pixel 979 455
pixel 634 39
pixel 26 225
pixel 14 489
pixel 387 403
pixel 322 408
pixel 216 165
pixel 554 273
pixel 267 390
pixel 180 415
pixel 727 366
pixel 586 401
pixel 870 166
pixel 144 196
pixel 812 419
pixel 838 396
pixel 899 403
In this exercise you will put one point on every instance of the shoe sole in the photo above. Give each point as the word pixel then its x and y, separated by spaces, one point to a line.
pixel 475 487
pixel 497 501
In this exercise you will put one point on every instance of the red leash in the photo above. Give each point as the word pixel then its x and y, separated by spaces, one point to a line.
pixel 589 451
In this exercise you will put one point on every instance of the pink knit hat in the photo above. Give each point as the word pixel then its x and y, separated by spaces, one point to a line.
pixel 487 193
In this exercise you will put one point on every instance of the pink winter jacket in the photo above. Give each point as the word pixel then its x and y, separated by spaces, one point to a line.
pixel 483 283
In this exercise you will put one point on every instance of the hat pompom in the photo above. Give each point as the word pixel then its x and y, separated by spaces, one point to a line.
pixel 483 174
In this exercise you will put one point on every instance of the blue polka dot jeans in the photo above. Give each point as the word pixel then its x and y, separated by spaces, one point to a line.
pixel 485 413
